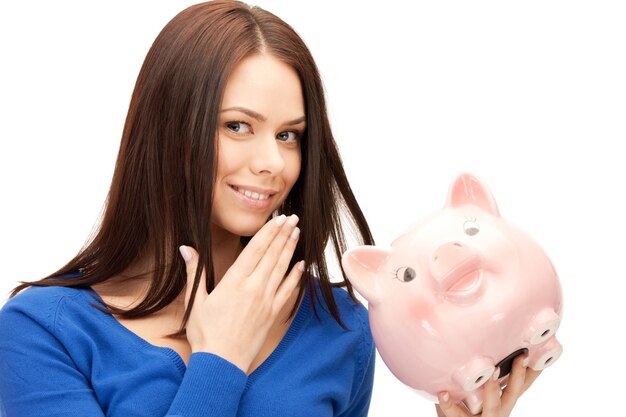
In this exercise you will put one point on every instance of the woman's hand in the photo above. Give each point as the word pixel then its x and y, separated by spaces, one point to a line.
pixel 234 320
pixel 494 405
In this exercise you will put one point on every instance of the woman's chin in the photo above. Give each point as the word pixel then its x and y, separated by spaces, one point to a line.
pixel 246 228
pixel 248 232
pixel 240 223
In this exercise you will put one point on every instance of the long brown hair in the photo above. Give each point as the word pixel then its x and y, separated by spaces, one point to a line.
pixel 161 192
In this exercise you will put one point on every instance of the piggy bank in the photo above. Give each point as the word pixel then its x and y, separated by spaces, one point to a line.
pixel 460 293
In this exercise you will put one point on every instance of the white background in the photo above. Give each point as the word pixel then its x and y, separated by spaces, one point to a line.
pixel 531 96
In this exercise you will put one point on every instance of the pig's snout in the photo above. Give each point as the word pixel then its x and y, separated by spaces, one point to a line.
pixel 449 256
pixel 456 270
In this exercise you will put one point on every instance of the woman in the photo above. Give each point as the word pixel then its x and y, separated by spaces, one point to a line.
pixel 205 290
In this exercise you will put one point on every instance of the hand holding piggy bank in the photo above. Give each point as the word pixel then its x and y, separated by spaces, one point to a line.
pixel 460 293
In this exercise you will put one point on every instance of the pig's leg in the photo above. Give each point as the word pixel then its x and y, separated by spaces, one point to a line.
pixel 474 373
pixel 545 355
pixel 543 327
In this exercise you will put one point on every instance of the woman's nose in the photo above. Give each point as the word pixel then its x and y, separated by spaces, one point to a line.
pixel 267 157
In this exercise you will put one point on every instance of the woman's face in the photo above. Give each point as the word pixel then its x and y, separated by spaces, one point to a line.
pixel 261 121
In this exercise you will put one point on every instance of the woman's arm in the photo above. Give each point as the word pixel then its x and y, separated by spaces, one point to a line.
pixel 212 387
pixel 361 403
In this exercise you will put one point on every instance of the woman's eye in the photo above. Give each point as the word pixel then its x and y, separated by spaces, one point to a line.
pixel 288 136
pixel 238 127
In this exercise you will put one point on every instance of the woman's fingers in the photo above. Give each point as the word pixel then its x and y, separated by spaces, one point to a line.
pixel 515 383
pixel 531 375
pixel 440 412
pixel 520 379
pixel 267 255
pixel 281 267
pixel 276 268
pixel 496 403
pixel 529 378
pixel 278 256
pixel 491 406
pixel 191 257
pixel 491 396
pixel 255 250
pixel 288 286
pixel 448 408
pixel 266 270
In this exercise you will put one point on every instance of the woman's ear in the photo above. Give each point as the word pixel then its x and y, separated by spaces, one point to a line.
pixel 363 266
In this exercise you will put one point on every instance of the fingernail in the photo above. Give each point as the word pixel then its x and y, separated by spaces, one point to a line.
pixel 280 219
pixel 445 397
pixel 301 266
pixel 295 233
pixel 496 374
pixel 184 251
pixel 526 362
pixel 293 220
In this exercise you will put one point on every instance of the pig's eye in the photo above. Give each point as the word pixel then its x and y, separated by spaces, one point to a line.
pixel 470 227
pixel 405 274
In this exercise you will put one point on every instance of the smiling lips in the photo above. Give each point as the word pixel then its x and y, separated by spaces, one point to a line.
pixel 252 194
pixel 254 197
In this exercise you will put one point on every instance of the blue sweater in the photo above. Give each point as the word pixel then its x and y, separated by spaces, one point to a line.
pixel 60 356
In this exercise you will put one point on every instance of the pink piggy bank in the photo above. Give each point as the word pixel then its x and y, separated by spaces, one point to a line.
pixel 460 293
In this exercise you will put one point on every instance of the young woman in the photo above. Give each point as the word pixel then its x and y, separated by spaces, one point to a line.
pixel 205 291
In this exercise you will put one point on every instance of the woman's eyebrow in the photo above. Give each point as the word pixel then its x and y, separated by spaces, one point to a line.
pixel 260 117
pixel 296 121
pixel 246 111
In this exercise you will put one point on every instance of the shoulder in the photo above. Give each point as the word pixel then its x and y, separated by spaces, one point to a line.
pixel 41 304
pixel 349 351
pixel 356 333
pixel 356 318
pixel 352 312
pixel 35 298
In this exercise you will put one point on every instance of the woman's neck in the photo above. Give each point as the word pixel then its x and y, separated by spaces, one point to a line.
pixel 226 247
pixel 136 278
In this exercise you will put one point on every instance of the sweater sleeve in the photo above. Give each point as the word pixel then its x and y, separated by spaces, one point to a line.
pixel 361 402
pixel 363 350
pixel 212 387
pixel 39 378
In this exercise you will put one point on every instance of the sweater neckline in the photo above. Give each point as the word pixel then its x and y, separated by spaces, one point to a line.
pixel 294 329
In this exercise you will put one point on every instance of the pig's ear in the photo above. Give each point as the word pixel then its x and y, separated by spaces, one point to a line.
pixel 362 266
pixel 468 189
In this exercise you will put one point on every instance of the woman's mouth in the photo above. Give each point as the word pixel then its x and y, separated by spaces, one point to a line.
pixel 255 198
pixel 251 194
